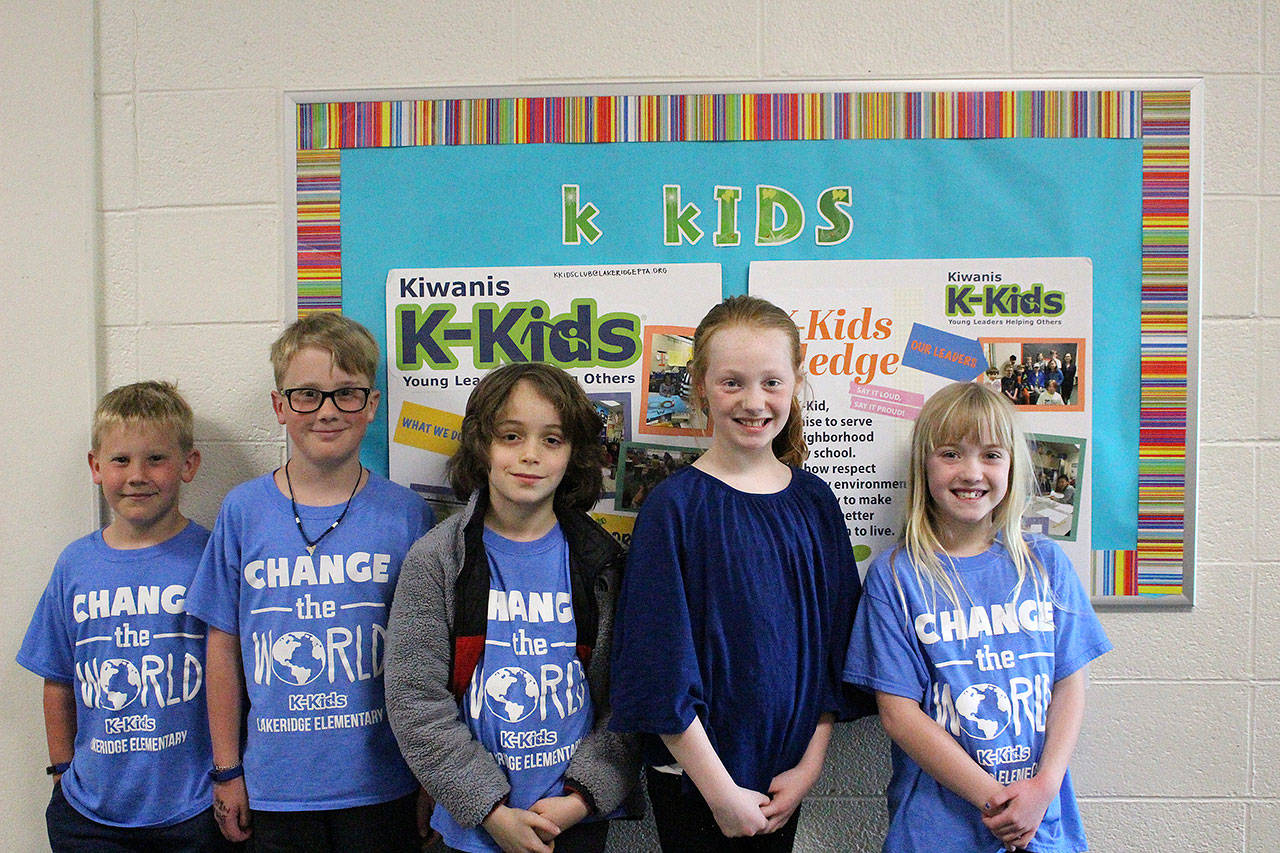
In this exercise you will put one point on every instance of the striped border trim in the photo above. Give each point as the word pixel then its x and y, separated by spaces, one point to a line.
pixel 1161 119
pixel 319 232
pixel 721 118
pixel 1162 456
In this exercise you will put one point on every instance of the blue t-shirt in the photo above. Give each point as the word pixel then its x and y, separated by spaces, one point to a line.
pixel 985 672
pixel 113 624
pixel 735 608
pixel 312 631
pixel 528 703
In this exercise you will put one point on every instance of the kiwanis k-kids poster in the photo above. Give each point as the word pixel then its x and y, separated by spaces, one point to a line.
pixel 882 336
pixel 447 327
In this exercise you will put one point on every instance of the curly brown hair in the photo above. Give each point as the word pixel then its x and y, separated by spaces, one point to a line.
pixel 468 468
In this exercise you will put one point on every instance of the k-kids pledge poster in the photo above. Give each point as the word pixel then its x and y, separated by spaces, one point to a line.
pixel 881 336
pixel 623 331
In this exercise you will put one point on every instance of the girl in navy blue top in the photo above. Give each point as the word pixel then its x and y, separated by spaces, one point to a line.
pixel 736 603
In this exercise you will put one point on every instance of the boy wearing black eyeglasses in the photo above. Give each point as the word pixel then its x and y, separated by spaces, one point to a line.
pixel 296 584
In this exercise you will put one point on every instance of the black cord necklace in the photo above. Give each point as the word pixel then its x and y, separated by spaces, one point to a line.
pixel 297 519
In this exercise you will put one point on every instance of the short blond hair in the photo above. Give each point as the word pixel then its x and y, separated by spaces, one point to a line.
pixel 149 402
pixel 348 343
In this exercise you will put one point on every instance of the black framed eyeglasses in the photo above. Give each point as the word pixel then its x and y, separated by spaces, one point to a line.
pixel 304 401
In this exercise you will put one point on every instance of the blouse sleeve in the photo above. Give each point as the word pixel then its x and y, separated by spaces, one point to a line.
pixel 656 684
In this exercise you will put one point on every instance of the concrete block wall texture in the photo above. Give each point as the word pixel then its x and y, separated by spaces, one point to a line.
pixel 1179 751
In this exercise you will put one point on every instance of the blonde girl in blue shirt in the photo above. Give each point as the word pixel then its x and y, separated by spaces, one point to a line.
pixel 974 636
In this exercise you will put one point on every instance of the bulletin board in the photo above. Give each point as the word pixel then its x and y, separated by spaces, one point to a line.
pixel 1105 170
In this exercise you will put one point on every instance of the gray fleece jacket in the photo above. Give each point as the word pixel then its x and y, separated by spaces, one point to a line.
pixel 435 637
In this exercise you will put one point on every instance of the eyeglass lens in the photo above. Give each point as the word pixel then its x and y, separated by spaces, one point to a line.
pixel 307 400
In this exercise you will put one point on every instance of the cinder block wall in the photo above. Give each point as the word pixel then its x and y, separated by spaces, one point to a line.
pixel 1179 750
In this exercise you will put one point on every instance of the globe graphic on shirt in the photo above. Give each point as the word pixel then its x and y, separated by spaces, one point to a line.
pixel 297 657
pixel 120 683
pixel 511 693
pixel 985 711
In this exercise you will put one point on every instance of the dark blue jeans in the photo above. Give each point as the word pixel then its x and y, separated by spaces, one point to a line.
pixel 72 832
pixel 686 824
pixel 390 827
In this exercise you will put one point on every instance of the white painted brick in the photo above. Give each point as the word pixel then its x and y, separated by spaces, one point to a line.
pixel 117 358
pixel 1266 740
pixel 222 370
pixel 857 761
pixel 224 464
pixel 340 44
pixel 202 45
pixel 1270 135
pixel 1210 639
pixel 1263 827
pixel 1267 351
pixel 1231 134
pixel 1229 286
pixel 847 825
pixel 1269 238
pixel 1271 50
pixel 1162 827
pixel 1143 36
pixel 119 294
pixel 883 38
pixel 116 45
pixel 614 40
pixel 1266 628
pixel 117 152
pixel 1225 347
pixel 1163 740
pixel 208 148
pixel 208 265
pixel 1226 516
pixel 1266 502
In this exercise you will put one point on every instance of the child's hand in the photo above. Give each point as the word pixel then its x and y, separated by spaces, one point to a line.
pixel 738 812
pixel 1014 814
pixel 231 809
pixel 564 811
pixel 786 791
pixel 520 830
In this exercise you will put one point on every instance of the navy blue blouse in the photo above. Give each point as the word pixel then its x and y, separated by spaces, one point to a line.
pixel 735 607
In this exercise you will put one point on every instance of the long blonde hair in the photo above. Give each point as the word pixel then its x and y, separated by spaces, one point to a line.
pixel 789 444
pixel 958 411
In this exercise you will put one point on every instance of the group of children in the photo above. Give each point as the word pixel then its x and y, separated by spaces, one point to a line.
pixel 1043 382
pixel 504 674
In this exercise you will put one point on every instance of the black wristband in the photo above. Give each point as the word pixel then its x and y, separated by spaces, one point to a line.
pixel 226 774
pixel 57 768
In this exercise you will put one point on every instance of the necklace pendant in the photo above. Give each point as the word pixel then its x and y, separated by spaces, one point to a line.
pixel 311 549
